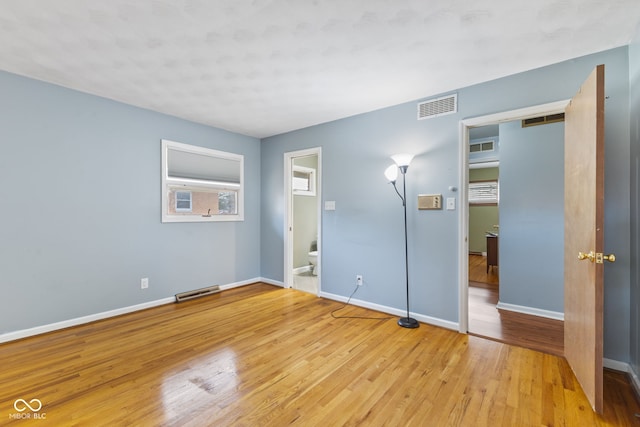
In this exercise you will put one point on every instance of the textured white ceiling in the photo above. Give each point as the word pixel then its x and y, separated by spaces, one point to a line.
pixel 264 67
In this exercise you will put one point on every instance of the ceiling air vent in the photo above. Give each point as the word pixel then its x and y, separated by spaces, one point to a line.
pixel 438 107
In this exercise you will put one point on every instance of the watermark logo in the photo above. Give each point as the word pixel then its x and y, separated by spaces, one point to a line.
pixel 21 405
pixel 28 410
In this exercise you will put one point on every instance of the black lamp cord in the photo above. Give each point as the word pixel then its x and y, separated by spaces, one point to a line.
pixel 355 317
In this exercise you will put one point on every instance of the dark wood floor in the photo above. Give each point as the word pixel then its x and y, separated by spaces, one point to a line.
pixel 485 320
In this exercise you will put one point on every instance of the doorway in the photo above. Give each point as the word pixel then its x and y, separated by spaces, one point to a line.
pixel 303 194
pixel 468 127
pixel 483 208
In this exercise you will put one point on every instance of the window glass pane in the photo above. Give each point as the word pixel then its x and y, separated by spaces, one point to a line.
pixel 227 204
pixel 203 201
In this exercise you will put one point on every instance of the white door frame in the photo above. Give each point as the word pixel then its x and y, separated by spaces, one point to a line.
pixel 288 217
pixel 463 212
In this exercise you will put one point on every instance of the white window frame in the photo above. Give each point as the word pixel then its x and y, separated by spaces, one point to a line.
pixel 200 184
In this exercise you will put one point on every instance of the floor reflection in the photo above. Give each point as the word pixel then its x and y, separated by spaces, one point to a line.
pixel 211 379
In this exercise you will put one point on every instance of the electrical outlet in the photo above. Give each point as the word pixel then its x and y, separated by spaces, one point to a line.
pixel 144 283
pixel 359 279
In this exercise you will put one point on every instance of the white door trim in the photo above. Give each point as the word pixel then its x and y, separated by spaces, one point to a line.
pixel 463 212
pixel 288 217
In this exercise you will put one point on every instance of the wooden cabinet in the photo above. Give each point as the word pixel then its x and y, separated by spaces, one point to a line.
pixel 492 251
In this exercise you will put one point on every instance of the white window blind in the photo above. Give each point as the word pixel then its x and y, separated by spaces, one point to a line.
pixel 484 192
pixel 303 181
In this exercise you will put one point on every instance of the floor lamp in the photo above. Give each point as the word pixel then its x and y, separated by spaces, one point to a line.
pixel 402 162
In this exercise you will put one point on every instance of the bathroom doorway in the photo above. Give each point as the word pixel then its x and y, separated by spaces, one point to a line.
pixel 303 220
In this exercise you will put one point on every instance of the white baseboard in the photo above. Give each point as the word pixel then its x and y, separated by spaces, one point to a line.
pixel 394 311
pixel 633 376
pixel 271 282
pixel 616 365
pixel 530 310
pixel 626 368
pixel 243 283
pixel 24 333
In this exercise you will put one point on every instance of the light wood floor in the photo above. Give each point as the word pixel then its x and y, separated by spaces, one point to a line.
pixel 266 356
pixel 486 320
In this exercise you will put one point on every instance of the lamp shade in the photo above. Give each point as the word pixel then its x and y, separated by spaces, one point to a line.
pixel 402 159
pixel 391 173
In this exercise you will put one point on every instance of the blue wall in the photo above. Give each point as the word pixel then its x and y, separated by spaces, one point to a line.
pixel 81 207
pixel 364 234
pixel 532 215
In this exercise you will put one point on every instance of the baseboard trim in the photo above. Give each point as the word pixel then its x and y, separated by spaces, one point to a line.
pixel 633 378
pixel 556 315
pixel 43 329
pixel 616 365
pixel 394 311
pixel 271 282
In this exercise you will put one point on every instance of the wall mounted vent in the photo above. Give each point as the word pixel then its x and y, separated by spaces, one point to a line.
pixel 438 107
pixel 543 120
pixel 184 296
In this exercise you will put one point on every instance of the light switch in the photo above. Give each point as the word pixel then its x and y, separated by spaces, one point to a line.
pixel 451 203
pixel 330 205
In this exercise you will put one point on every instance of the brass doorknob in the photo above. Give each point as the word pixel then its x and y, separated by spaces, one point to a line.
pixel 590 256
pixel 599 258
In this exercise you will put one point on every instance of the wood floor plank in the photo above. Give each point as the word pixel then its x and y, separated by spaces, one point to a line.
pixel 262 355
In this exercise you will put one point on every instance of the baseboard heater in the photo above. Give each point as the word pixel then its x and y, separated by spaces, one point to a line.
pixel 197 293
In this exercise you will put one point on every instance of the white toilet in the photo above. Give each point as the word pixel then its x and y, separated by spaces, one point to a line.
pixel 313 260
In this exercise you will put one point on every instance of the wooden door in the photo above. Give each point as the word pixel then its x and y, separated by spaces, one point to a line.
pixel 584 235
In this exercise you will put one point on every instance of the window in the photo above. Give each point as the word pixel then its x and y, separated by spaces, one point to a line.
pixel 481 146
pixel 183 201
pixel 484 193
pixel 201 184
pixel 303 181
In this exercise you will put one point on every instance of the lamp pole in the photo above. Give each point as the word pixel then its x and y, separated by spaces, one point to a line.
pixel 402 162
pixel 406 322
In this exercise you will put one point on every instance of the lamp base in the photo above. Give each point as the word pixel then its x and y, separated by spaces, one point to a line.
pixel 408 322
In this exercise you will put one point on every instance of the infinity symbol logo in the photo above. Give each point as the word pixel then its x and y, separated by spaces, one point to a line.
pixel 21 405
